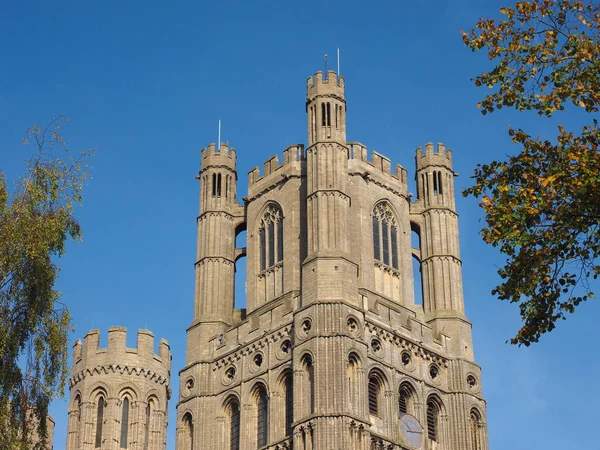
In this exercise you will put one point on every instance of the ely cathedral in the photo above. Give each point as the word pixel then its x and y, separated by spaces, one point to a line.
pixel 334 350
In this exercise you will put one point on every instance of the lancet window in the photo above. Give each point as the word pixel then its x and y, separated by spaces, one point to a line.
pixel 99 422
pixel 433 414
pixel 124 422
pixel 270 235
pixel 385 236
pixel 262 428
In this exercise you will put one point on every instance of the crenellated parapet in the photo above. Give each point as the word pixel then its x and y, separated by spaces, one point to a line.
pixel 433 156
pixel 90 354
pixel 274 171
pixel 119 394
pixel 378 169
pixel 225 156
pixel 330 85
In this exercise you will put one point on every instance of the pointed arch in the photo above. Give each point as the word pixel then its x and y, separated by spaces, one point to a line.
pixel 261 398
pixel 475 428
pixel 385 235
pixel 231 407
pixel 375 389
pixel 407 399
pixel 188 431
pixel 270 231
pixel 434 411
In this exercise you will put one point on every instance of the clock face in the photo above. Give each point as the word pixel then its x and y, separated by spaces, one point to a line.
pixel 411 431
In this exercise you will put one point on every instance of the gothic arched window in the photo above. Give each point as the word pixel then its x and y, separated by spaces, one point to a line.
pixel 188 432
pixel 405 399
pixel 433 415
pixel 375 389
pixel 474 425
pixel 124 422
pixel 289 403
pixel 385 236
pixel 99 422
pixel 262 425
pixel 234 425
pixel 270 236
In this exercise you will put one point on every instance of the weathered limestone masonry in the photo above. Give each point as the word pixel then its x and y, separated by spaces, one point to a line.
pixel 119 395
pixel 333 351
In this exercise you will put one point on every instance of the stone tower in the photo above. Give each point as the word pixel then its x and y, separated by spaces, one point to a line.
pixel 119 395
pixel 333 350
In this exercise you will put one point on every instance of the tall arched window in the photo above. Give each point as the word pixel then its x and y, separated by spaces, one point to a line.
pixel 124 422
pixel 353 365
pixel 475 426
pixel 289 403
pixel 188 432
pixel 271 237
pixel 405 399
pixel 374 392
pixel 433 417
pixel 262 425
pixel 385 236
pixel 234 424
pixel 99 422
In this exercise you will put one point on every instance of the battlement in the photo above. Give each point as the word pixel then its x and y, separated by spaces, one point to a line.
pixel 292 154
pixel 379 162
pixel 225 156
pixel 332 84
pixel 433 156
pixel 89 353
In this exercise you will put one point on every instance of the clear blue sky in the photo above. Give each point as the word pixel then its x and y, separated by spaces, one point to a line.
pixel 147 81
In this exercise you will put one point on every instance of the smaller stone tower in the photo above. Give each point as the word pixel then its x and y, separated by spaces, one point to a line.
pixel 119 395
pixel 218 224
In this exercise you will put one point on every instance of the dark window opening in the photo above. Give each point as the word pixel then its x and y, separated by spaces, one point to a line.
pixel 440 182
pixel 328 114
pixel 218 185
pixel 386 243
pixel 99 422
pixel 435 183
pixel 124 422
pixel 263 418
pixel 234 427
pixel 432 420
pixel 263 249
pixel 289 405
pixel 271 234
pixel 374 396
pixel 394 247
pixel 376 250
pixel 280 240
pixel 323 119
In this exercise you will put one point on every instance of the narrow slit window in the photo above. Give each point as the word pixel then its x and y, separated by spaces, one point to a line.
pixel 323 119
pixel 336 117
pixel 373 396
pixel 234 432
pixel 262 422
pixel 376 244
pixel 263 249
pixel 214 185
pixel 280 240
pixel 218 185
pixel 432 420
pixel 386 242
pixel 271 233
pixel 147 427
pixel 435 183
pixel 440 182
pixel 124 423
pixel 289 405
pixel 99 422
pixel 474 424
pixel 328 114
pixel 394 247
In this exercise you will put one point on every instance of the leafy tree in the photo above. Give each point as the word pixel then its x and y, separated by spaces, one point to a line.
pixel 36 220
pixel 542 206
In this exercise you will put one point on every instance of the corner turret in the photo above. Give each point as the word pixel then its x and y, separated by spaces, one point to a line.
pixel 326 108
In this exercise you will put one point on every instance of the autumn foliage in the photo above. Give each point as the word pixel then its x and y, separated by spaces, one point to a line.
pixel 542 206
pixel 36 221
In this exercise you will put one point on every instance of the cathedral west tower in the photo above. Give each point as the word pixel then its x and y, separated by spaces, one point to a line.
pixel 333 350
